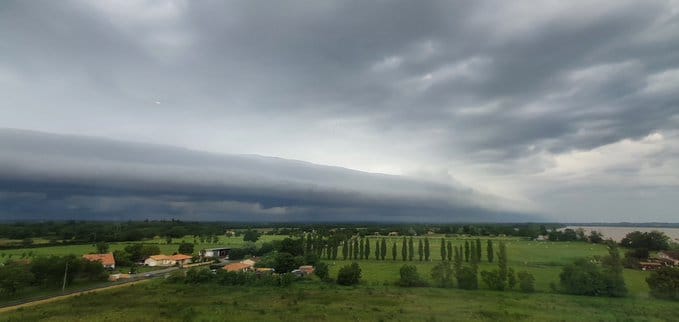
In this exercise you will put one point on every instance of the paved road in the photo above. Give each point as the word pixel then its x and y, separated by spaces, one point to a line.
pixel 135 279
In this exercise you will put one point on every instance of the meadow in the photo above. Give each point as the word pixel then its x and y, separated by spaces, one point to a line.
pixel 317 301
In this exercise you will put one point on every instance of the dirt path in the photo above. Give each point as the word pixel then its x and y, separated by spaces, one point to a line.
pixel 63 297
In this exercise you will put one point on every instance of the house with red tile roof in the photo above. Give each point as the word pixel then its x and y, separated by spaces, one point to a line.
pixel 107 260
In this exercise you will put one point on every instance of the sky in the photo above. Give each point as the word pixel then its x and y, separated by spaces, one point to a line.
pixel 340 110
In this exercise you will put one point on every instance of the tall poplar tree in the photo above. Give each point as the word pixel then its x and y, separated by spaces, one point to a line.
pixel 426 249
pixel 383 249
pixel 377 249
pixel 345 249
pixel 443 249
pixel 478 249
pixel 420 248
pixel 449 250
pixel 502 263
pixel 404 249
pixel 361 249
pixel 393 251
pixel 411 249
pixel 366 252
pixel 489 251
pixel 355 248
pixel 466 251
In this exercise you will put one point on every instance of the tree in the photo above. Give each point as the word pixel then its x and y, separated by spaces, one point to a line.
pixel 168 240
pixel 251 235
pixel 442 274
pixel 197 275
pixel 612 269
pixel 478 250
pixel 443 249
pixel 349 274
pixel 652 241
pixel 14 277
pixel 322 271
pixel 503 269
pixel 102 247
pixel 410 277
pixel 366 252
pixel 361 249
pixel 345 249
pixel 489 251
pixel 383 249
pixel 355 248
pixel 526 282
pixel 664 283
pixel 393 251
pixel 511 278
pixel 449 250
pixel 185 248
pixel 467 278
pixel 426 249
pixel 457 260
pixel 582 277
pixel 404 250
pixel 286 262
pixel 466 251
pixel 595 237
pixel 420 249
pixel 411 249
pixel 377 249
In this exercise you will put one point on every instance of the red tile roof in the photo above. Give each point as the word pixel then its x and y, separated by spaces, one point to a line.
pixel 105 259
pixel 235 267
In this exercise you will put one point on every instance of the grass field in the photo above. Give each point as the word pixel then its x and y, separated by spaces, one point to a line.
pixel 314 301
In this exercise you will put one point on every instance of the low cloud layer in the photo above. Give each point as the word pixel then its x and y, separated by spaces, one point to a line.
pixel 57 177
pixel 568 108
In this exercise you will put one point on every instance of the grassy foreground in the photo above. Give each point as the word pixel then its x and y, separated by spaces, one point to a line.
pixel 314 301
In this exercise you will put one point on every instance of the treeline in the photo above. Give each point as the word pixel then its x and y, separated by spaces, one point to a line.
pixel 48 273
pixel 90 232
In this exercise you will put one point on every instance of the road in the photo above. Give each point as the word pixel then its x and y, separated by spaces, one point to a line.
pixel 135 279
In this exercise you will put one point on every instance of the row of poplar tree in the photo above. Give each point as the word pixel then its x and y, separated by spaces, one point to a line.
pixel 362 248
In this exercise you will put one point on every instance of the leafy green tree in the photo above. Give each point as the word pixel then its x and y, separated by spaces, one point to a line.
pixel 511 278
pixel 478 250
pixel 582 277
pixel 489 251
pixel 14 277
pixel 102 247
pixel 185 248
pixel 466 251
pixel 349 274
pixel 404 250
pixel 251 235
pixel 442 274
pixel 652 241
pixel 449 250
pixel 322 270
pixel 198 275
pixel 168 240
pixel 612 269
pixel 526 282
pixel 361 249
pixel 377 249
pixel 503 269
pixel 356 249
pixel 664 283
pixel 410 277
pixel 443 249
pixel 457 260
pixel 366 252
pixel 467 278
pixel 411 249
pixel 393 251
pixel 345 249
pixel 420 249
pixel 426 249
pixel 383 249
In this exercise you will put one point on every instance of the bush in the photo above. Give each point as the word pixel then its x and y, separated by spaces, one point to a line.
pixel 349 274
pixel 442 274
pixel 664 283
pixel 410 277
pixel 526 282
pixel 198 275
pixel 322 271
pixel 467 278
pixel 175 277
pixel 492 280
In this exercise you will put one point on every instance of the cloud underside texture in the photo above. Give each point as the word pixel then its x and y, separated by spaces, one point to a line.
pixel 45 176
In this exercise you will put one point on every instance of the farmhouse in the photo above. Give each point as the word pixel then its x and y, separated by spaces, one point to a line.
pixel 106 260
pixel 649 266
pixel 215 253
pixel 165 260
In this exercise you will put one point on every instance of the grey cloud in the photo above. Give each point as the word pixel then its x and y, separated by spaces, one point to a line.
pixel 100 178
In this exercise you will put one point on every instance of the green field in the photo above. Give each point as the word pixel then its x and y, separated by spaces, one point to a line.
pixel 315 301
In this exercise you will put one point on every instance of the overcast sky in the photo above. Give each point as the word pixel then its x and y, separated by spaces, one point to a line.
pixel 475 110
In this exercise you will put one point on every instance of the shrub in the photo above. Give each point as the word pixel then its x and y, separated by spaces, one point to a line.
pixel 526 282
pixel 349 274
pixel 175 277
pixel 492 280
pixel 410 277
pixel 467 278
pixel 321 270
pixel 442 274
pixel 664 283
pixel 198 275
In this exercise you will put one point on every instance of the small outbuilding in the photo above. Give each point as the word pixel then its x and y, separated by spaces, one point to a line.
pixel 107 260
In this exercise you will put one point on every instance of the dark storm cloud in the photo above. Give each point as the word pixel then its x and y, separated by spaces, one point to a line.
pixel 69 176
pixel 352 83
